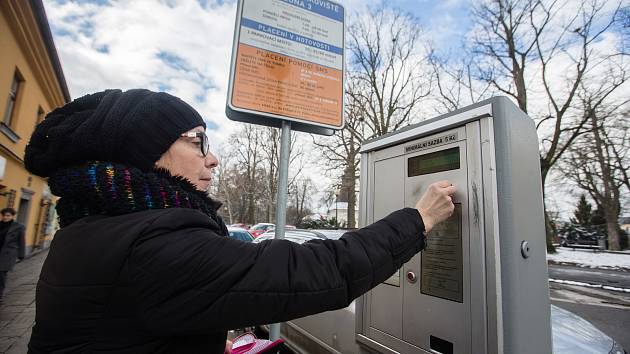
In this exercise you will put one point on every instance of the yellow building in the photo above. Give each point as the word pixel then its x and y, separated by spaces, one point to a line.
pixel 31 84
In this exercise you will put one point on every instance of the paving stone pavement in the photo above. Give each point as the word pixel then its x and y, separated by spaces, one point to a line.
pixel 17 309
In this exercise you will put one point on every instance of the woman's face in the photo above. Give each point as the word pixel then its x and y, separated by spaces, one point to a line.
pixel 185 158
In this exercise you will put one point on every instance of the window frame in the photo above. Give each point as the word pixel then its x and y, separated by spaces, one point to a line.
pixel 12 99
pixel 39 116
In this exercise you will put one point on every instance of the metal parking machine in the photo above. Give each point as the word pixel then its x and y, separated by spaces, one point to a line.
pixel 480 286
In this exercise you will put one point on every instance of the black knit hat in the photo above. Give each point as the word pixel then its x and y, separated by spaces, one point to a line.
pixel 134 127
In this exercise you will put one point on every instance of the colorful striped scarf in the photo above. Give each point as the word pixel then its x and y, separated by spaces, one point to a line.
pixel 104 188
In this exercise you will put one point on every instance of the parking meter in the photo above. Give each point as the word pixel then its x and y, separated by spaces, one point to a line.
pixel 480 285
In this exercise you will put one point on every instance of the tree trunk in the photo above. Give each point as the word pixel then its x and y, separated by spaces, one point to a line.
pixel 613 234
pixel 550 232
pixel 250 217
pixel 608 196
pixel 352 202
pixel 347 191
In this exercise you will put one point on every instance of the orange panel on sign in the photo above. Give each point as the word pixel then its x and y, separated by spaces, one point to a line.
pixel 269 82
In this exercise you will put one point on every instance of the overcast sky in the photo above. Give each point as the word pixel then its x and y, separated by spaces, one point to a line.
pixel 182 46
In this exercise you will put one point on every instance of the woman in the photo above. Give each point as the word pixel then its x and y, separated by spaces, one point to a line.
pixel 141 263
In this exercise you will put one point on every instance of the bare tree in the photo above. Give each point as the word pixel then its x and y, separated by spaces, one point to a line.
pixel 269 144
pixel 526 46
pixel 221 183
pixel 621 150
pixel 455 85
pixel 341 151
pixel 624 27
pixel 247 174
pixel 386 67
pixel 598 162
pixel 384 87
pixel 300 197
pixel 248 170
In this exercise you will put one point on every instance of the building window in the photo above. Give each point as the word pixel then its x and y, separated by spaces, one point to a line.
pixel 10 195
pixel 40 115
pixel 13 95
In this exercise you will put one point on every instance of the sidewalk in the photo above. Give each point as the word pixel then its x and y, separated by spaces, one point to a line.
pixel 17 310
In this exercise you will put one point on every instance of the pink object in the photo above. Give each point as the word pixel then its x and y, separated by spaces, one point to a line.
pixel 247 343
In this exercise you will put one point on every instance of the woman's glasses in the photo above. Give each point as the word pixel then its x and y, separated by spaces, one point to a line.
pixel 204 143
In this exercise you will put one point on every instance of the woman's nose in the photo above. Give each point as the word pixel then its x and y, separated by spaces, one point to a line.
pixel 211 160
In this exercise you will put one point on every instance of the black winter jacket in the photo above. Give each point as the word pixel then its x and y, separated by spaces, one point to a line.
pixel 163 281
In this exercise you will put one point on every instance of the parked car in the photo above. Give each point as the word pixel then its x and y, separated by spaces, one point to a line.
pixel 298 236
pixel 241 226
pixel 570 332
pixel 286 227
pixel 332 234
pixel 259 228
pixel 579 240
pixel 573 334
pixel 575 235
pixel 240 234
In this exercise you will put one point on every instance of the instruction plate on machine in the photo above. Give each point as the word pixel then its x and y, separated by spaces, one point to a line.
pixel 442 273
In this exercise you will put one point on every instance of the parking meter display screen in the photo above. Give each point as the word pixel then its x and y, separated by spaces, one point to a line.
pixel 442 272
pixel 443 160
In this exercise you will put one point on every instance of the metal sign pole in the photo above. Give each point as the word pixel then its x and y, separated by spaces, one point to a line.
pixel 289 69
pixel 281 202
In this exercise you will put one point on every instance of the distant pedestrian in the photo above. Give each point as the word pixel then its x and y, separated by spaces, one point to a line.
pixel 11 244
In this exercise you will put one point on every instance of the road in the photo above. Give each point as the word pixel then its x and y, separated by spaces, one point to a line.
pixel 592 276
pixel 607 310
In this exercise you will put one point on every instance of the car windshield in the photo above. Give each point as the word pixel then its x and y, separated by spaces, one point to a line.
pixel 240 235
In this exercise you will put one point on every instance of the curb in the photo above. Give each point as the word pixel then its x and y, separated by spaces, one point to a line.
pixel 579 265
pixel 593 249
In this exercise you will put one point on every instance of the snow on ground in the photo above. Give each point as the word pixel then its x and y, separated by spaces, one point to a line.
pixel 590 259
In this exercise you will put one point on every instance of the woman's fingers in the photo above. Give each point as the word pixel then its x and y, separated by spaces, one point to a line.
pixel 436 205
